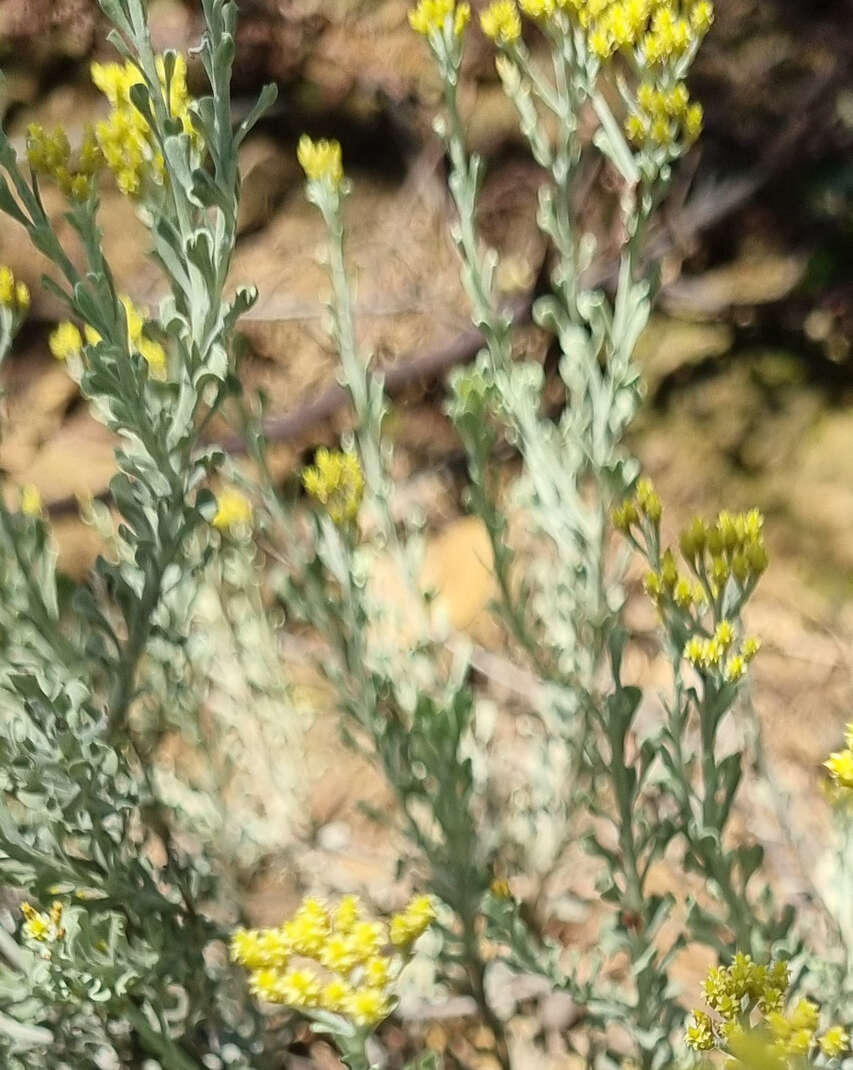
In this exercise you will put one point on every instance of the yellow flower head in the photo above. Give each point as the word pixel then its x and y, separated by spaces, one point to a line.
pixel 14 295
pixel 624 516
pixel 366 940
pixel 263 983
pixel 840 766
pixel 40 927
pixel 31 503
pixel 66 341
pixel 413 921
pixel 368 1006
pixel 501 22
pixel 702 16
pixel 377 971
pixel 337 482
pixel 299 989
pixel 834 1042
pixel 648 501
pixel 431 16
pixel 234 510
pixel 338 953
pixel 700 1035
pixel 258 948
pixel 540 10
pixel 664 118
pixel 154 355
pixel 346 914
pixel 49 153
pixel 336 996
pixel 309 929
pixel 321 160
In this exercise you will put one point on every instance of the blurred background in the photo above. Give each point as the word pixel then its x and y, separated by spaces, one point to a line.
pixel 748 359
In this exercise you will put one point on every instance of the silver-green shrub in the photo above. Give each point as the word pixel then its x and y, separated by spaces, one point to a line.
pixel 114 934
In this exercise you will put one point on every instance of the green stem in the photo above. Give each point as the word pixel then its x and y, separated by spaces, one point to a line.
pixel 159 1044
pixel 476 972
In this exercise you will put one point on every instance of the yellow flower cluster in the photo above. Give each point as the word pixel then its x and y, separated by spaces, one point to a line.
pixel 14 295
pixel 321 160
pixel 501 22
pixel 840 764
pixel 234 511
pixel 711 653
pixel 664 117
pixel 431 16
pixel 66 341
pixel 731 548
pixel 749 998
pixel 646 503
pixel 330 959
pixel 656 31
pixel 49 153
pixel 337 482
pixel 125 138
pixel 40 927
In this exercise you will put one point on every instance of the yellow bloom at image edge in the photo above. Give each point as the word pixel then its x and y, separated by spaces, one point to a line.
pixel 840 766
pixel 14 295
pixel 430 16
pixel 501 22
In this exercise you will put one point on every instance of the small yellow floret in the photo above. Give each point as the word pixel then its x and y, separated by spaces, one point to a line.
pixel 431 16
pixel 702 16
pixel 648 501
pixel 368 1006
pixel 309 928
pixel 154 355
pixel 538 9
pixel 257 948
pixel 840 766
pixel 834 1042
pixel 234 511
pixel 501 22
pixel 700 1035
pixel 346 914
pixel 321 160
pixel 366 939
pixel 31 503
pixel 694 651
pixel 299 989
pixel 65 341
pixel 337 482
pixel 338 953
pixel 413 921
pixel 14 295
pixel 336 996
pixel 43 928
pixel 377 971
